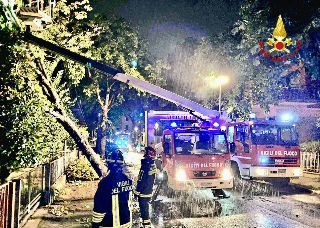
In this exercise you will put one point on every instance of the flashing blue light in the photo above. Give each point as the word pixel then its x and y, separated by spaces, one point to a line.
pixel 216 124
pixel 134 63
pixel 263 160
pixel 252 115
pixel 174 124
pixel 286 117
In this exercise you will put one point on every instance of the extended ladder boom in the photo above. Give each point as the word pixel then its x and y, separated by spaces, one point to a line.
pixel 192 107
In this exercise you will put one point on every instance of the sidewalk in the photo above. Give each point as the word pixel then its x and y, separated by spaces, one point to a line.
pixel 309 181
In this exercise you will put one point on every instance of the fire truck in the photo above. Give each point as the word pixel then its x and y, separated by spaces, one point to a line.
pixel 206 162
pixel 192 151
pixel 264 149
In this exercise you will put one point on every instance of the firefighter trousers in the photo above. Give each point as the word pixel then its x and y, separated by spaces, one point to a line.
pixel 144 210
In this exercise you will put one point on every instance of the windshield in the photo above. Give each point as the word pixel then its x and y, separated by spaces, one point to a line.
pixel 200 143
pixel 263 134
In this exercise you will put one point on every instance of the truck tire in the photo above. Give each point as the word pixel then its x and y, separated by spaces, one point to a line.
pixel 235 170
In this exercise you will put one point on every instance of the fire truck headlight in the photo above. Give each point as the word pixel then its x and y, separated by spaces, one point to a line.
pixel 297 172
pixel 181 175
pixel 160 176
pixel 262 172
pixel 226 174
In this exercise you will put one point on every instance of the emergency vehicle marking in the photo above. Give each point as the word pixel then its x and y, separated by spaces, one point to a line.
pixel 287 153
pixel 203 165
pixel 123 186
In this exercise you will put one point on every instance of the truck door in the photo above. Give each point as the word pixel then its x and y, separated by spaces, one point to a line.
pixel 167 152
pixel 230 138
pixel 242 140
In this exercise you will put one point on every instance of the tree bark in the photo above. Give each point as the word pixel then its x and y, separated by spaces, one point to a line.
pixel 68 124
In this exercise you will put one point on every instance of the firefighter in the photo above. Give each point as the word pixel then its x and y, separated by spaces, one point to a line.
pixel 145 184
pixel 112 200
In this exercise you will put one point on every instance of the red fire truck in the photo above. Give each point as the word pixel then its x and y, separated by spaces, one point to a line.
pixel 264 149
pixel 190 156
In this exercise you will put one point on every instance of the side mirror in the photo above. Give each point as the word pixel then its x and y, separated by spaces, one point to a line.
pixel 232 147
pixel 246 147
pixel 166 148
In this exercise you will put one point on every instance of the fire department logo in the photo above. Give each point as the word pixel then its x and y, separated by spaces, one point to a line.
pixel 279 43
pixel 279 33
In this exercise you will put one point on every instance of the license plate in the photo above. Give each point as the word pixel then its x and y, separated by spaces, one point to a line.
pixel 206 184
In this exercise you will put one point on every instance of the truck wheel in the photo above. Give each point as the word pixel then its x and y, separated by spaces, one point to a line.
pixel 235 170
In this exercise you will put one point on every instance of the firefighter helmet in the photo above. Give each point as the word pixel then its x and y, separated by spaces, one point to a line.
pixel 115 159
pixel 150 152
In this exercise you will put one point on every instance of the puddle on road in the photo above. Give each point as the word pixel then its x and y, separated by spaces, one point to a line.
pixel 201 203
pixel 183 205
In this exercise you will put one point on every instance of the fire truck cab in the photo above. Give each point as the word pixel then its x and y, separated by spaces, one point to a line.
pixel 263 149
pixel 196 158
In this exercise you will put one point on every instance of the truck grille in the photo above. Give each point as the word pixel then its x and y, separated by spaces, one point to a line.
pixel 204 173
pixel 280 161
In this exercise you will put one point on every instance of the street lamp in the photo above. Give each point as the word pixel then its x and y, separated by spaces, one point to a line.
pixel 220 81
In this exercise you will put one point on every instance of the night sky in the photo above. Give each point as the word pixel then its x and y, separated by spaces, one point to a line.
pixel 164 23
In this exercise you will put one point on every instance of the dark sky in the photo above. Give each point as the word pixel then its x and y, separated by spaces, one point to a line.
pixel 167 22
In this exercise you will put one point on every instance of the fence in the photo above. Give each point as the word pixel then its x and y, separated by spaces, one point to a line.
pixel 20 197
pixel 310 162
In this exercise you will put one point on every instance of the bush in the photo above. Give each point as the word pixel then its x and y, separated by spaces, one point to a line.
pixel 311 147
pixel 80 169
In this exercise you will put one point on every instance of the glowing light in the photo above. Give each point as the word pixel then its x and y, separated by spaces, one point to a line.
pixel 221 80
pixel 263 160
pixel 134 63
pixel 216 124
pixel 156 126
pixel 286 117
pixel 136 129
pixel 223 128
pixel 297 172
pixel 174 124
pixel 252 115
pixel 226 174
pixel 181 175
pixel 262 172
pixel 160 176
pixel 250 122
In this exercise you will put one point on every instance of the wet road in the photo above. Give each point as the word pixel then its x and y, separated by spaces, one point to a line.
pixel 251 204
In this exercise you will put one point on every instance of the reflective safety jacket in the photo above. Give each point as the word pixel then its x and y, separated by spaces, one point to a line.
pixel 112 202
pixel 146 178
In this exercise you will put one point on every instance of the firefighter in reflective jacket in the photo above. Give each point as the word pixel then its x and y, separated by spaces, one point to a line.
pixel 145 184
pixel 112 201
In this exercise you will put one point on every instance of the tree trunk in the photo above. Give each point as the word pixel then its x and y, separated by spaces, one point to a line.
pixel 68 124
pixel 101 140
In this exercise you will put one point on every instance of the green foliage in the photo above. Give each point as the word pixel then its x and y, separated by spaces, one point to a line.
pixel 311 147
pixel 80 169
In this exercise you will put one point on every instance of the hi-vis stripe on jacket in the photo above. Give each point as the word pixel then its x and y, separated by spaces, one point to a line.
pixel 146 178
pixel 112 202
